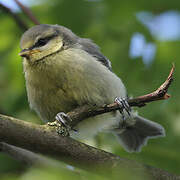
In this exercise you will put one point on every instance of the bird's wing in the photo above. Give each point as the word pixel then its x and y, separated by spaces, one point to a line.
pixel 93 49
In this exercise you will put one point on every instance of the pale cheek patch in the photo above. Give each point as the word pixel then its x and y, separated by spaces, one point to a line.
pixel 44 51
pixel 35 51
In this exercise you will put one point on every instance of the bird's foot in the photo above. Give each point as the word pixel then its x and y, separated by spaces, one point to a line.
pixel 61 123
pixel 123 104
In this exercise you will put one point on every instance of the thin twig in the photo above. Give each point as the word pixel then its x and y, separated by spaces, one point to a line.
pixel 17 19
pixel 27 12
pixel 84 112
pixel 159 94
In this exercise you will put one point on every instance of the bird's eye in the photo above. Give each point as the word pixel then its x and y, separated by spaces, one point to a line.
pixel 41 42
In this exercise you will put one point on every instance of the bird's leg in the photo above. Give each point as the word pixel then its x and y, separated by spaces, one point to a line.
pixel 122 102
pixel 62 122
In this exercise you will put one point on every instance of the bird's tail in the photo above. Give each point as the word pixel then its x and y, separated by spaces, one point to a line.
pixel 132 138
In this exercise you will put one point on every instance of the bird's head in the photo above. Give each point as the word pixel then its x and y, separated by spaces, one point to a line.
pixel 44 40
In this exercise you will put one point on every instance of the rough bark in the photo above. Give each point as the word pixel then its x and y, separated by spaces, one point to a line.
pixel 43 139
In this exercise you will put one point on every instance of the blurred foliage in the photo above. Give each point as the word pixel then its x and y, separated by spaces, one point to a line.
pixel 111 24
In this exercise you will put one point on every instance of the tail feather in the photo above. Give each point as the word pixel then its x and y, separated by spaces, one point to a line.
pixel 134 137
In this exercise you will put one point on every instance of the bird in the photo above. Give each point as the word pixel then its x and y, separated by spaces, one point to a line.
pixel 64 71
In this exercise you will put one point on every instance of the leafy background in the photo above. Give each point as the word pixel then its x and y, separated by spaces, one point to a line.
pixel 141 38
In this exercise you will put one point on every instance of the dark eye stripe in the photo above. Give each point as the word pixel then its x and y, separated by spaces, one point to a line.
pixel 43 41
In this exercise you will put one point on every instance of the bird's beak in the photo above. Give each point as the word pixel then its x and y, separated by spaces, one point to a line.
pixel 28 52
pixel 24 53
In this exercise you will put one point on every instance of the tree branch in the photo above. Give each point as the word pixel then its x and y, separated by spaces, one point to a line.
pixel 23 26
pixel 28 158
pixel 27 12
pixel 43 139
pixel 160 94
pixel 17 19
pixel 22 155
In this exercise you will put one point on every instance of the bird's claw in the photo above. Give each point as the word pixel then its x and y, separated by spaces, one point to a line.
pixel 122 102
pixel 62 124
pixel 64 119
